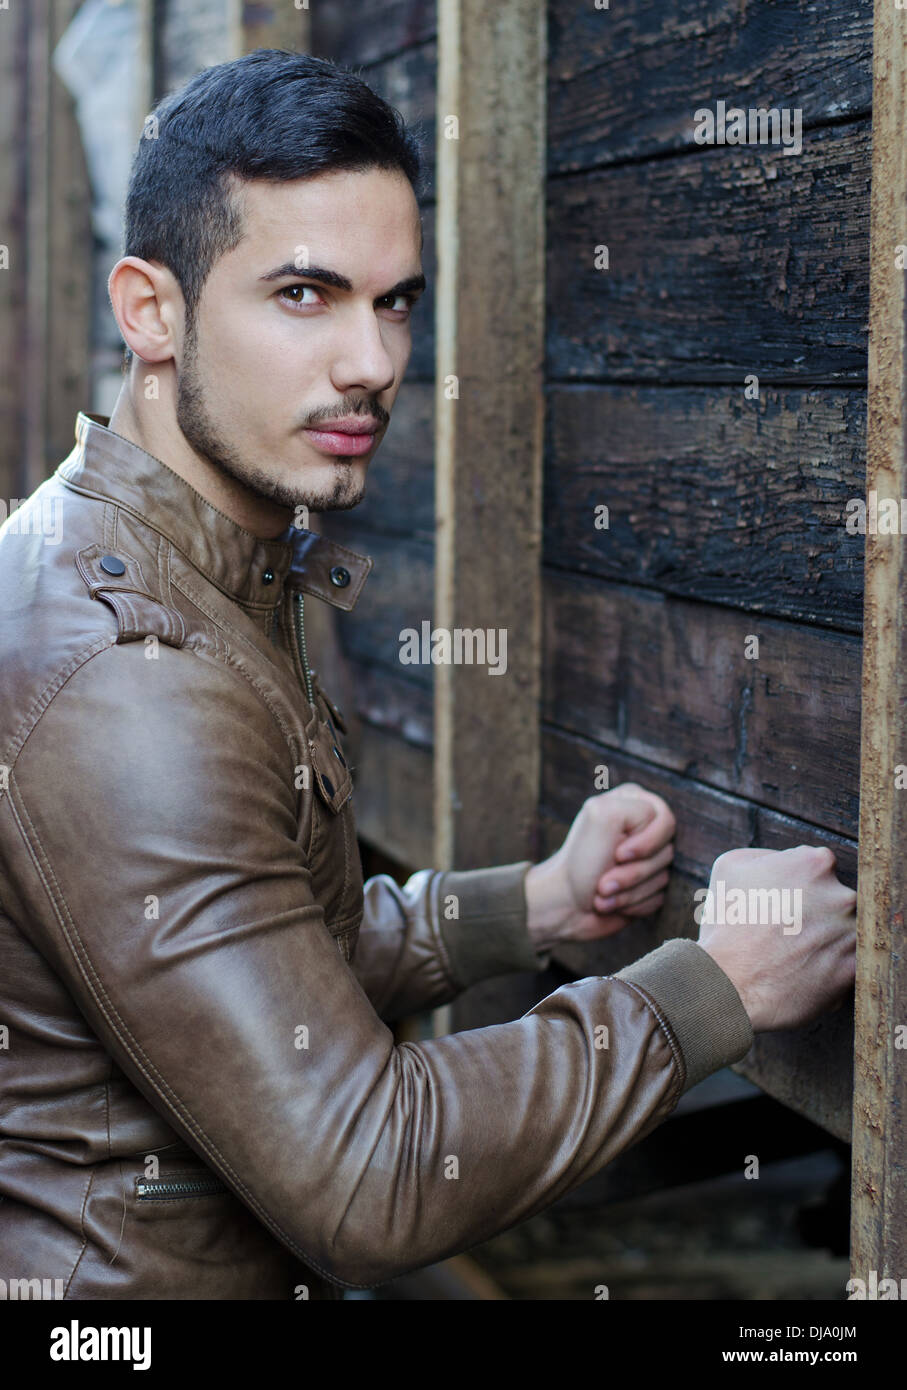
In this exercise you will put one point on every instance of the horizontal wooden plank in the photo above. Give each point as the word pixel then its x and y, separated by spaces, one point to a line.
pixel 809 1068
pixel 709 822
pixel 392 703
pixel 393 797
pixel 377 29
pixel 668 680
pixel 624 82
pixel 712 496
pixel 729 261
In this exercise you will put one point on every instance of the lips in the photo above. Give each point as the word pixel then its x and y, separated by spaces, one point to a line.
pixel 345 437
pixel 351 424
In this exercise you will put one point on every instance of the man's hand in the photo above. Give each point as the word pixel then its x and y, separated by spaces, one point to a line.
pixel 611 867
pixel 785 978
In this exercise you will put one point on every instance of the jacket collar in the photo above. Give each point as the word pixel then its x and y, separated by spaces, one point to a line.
pixel 104 464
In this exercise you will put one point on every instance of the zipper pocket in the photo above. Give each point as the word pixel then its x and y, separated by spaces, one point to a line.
pixel 170 1189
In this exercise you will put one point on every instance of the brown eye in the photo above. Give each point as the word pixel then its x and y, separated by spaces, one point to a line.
pixel 294 293
pixel 406 302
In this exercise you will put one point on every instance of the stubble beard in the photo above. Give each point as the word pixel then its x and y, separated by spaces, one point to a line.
pixel 194 419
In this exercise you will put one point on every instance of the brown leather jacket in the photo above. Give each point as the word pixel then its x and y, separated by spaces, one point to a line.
pixel 201 1096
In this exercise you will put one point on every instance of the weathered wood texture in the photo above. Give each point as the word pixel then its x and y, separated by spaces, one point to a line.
pixel 383 29
pixel 13 241
pixel 624 83
pixel 879 1227
pixel 490 334
pixel 722 263
pixel 45 224
pixel 668 681
pixel 671 265
pixel 710 495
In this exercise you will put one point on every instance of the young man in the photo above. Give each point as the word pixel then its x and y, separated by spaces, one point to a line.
pixel 201 1094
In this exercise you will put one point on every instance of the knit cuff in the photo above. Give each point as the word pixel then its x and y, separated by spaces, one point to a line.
pixel 699 1003
pixel 488 935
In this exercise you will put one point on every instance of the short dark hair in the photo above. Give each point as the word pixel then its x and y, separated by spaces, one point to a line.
pixel 270 115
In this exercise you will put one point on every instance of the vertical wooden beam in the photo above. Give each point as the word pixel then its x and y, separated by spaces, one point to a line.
pixel 35 377
pixel 489 422
pixel 879 1231
pixel 55 338
pixel 69 261
pixel 13 236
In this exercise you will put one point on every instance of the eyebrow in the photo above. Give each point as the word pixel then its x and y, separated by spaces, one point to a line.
pixel 339 282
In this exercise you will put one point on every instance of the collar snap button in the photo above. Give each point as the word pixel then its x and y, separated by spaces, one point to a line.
pixel 267 577
pixel 110 564
pixel 340 576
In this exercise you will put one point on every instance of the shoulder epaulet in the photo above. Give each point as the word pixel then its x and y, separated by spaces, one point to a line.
pixel 117 579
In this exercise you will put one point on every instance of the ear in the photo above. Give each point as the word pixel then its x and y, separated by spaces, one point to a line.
pixel 148 305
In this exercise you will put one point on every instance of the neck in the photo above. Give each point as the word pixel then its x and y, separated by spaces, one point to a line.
pixel 157 432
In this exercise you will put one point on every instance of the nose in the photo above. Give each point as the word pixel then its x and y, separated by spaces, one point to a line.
pixel 362 359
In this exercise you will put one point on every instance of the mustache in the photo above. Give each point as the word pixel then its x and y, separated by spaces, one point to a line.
pixel 319 421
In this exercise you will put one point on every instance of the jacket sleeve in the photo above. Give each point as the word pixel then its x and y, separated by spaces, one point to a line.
pixel 421 945
pixel 168 891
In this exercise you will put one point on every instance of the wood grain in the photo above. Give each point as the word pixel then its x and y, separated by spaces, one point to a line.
pixel 879 1194
pixel 723 262
pixel 711 495
pixel 668 680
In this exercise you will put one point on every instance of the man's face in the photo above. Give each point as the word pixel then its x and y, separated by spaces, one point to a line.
pixel 276 355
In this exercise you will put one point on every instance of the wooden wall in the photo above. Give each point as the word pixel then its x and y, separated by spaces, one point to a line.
pixel 726 512
pixel 45 226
